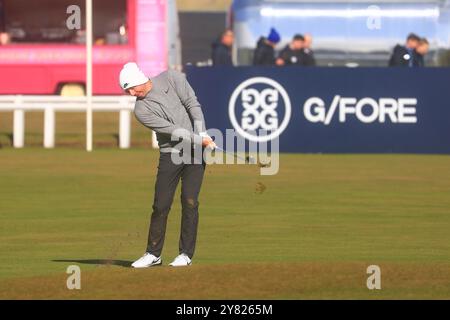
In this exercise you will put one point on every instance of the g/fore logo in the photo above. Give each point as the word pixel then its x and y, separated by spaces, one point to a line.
pixel 259 104
pixel 366 110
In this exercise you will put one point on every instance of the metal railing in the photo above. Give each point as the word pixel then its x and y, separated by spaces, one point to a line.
pixel 20 104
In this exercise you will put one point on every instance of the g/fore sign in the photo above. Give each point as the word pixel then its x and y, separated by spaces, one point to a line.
pixel 366 110
pixel 330 110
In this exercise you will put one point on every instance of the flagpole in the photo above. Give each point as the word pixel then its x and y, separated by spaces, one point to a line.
pixel 89 38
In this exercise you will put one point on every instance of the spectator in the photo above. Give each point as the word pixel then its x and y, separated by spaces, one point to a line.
pixel 308 53
pixel 265 51
pixel 293 53
pixel 422 50
pixel 405 56
pixel 221 49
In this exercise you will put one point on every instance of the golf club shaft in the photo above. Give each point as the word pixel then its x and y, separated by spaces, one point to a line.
pixel 231 153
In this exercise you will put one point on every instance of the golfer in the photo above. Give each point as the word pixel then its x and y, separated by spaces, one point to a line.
pixel 167 105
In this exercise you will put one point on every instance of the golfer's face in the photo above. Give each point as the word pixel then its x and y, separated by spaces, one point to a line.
pixel 137 91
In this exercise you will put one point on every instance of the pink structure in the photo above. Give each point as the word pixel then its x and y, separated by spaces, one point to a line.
pixel 41 68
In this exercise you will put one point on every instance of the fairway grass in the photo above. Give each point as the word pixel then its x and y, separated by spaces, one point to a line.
pixel 251 281
pixel 308 232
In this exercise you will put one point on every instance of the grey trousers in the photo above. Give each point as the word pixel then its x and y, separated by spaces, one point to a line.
pixel 168 177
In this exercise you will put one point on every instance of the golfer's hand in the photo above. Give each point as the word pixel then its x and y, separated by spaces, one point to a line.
pixel 207 142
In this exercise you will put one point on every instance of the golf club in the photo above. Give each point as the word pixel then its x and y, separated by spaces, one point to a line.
pixel 248 159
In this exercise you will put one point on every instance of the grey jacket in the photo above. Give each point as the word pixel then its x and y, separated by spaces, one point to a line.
pixel 171 104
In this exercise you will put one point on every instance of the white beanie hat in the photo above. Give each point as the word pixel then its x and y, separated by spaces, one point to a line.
pixel 131 76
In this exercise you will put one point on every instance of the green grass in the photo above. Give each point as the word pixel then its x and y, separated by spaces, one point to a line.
pixel 310 234
pixel 71 129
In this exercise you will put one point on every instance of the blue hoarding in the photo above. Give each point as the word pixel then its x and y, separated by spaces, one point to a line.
pixel 330 110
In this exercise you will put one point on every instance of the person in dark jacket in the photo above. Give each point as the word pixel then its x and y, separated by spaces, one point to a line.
pixel 406 56
pixel 293 53
pixel 422 50
pixel 310 61
pixel 265 51
pixel 221 49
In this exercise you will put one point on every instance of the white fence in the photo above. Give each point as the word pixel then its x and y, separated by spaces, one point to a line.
pixel 51 104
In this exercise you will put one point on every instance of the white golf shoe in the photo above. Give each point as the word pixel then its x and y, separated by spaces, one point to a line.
pixel 147 260
pixel 181 261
